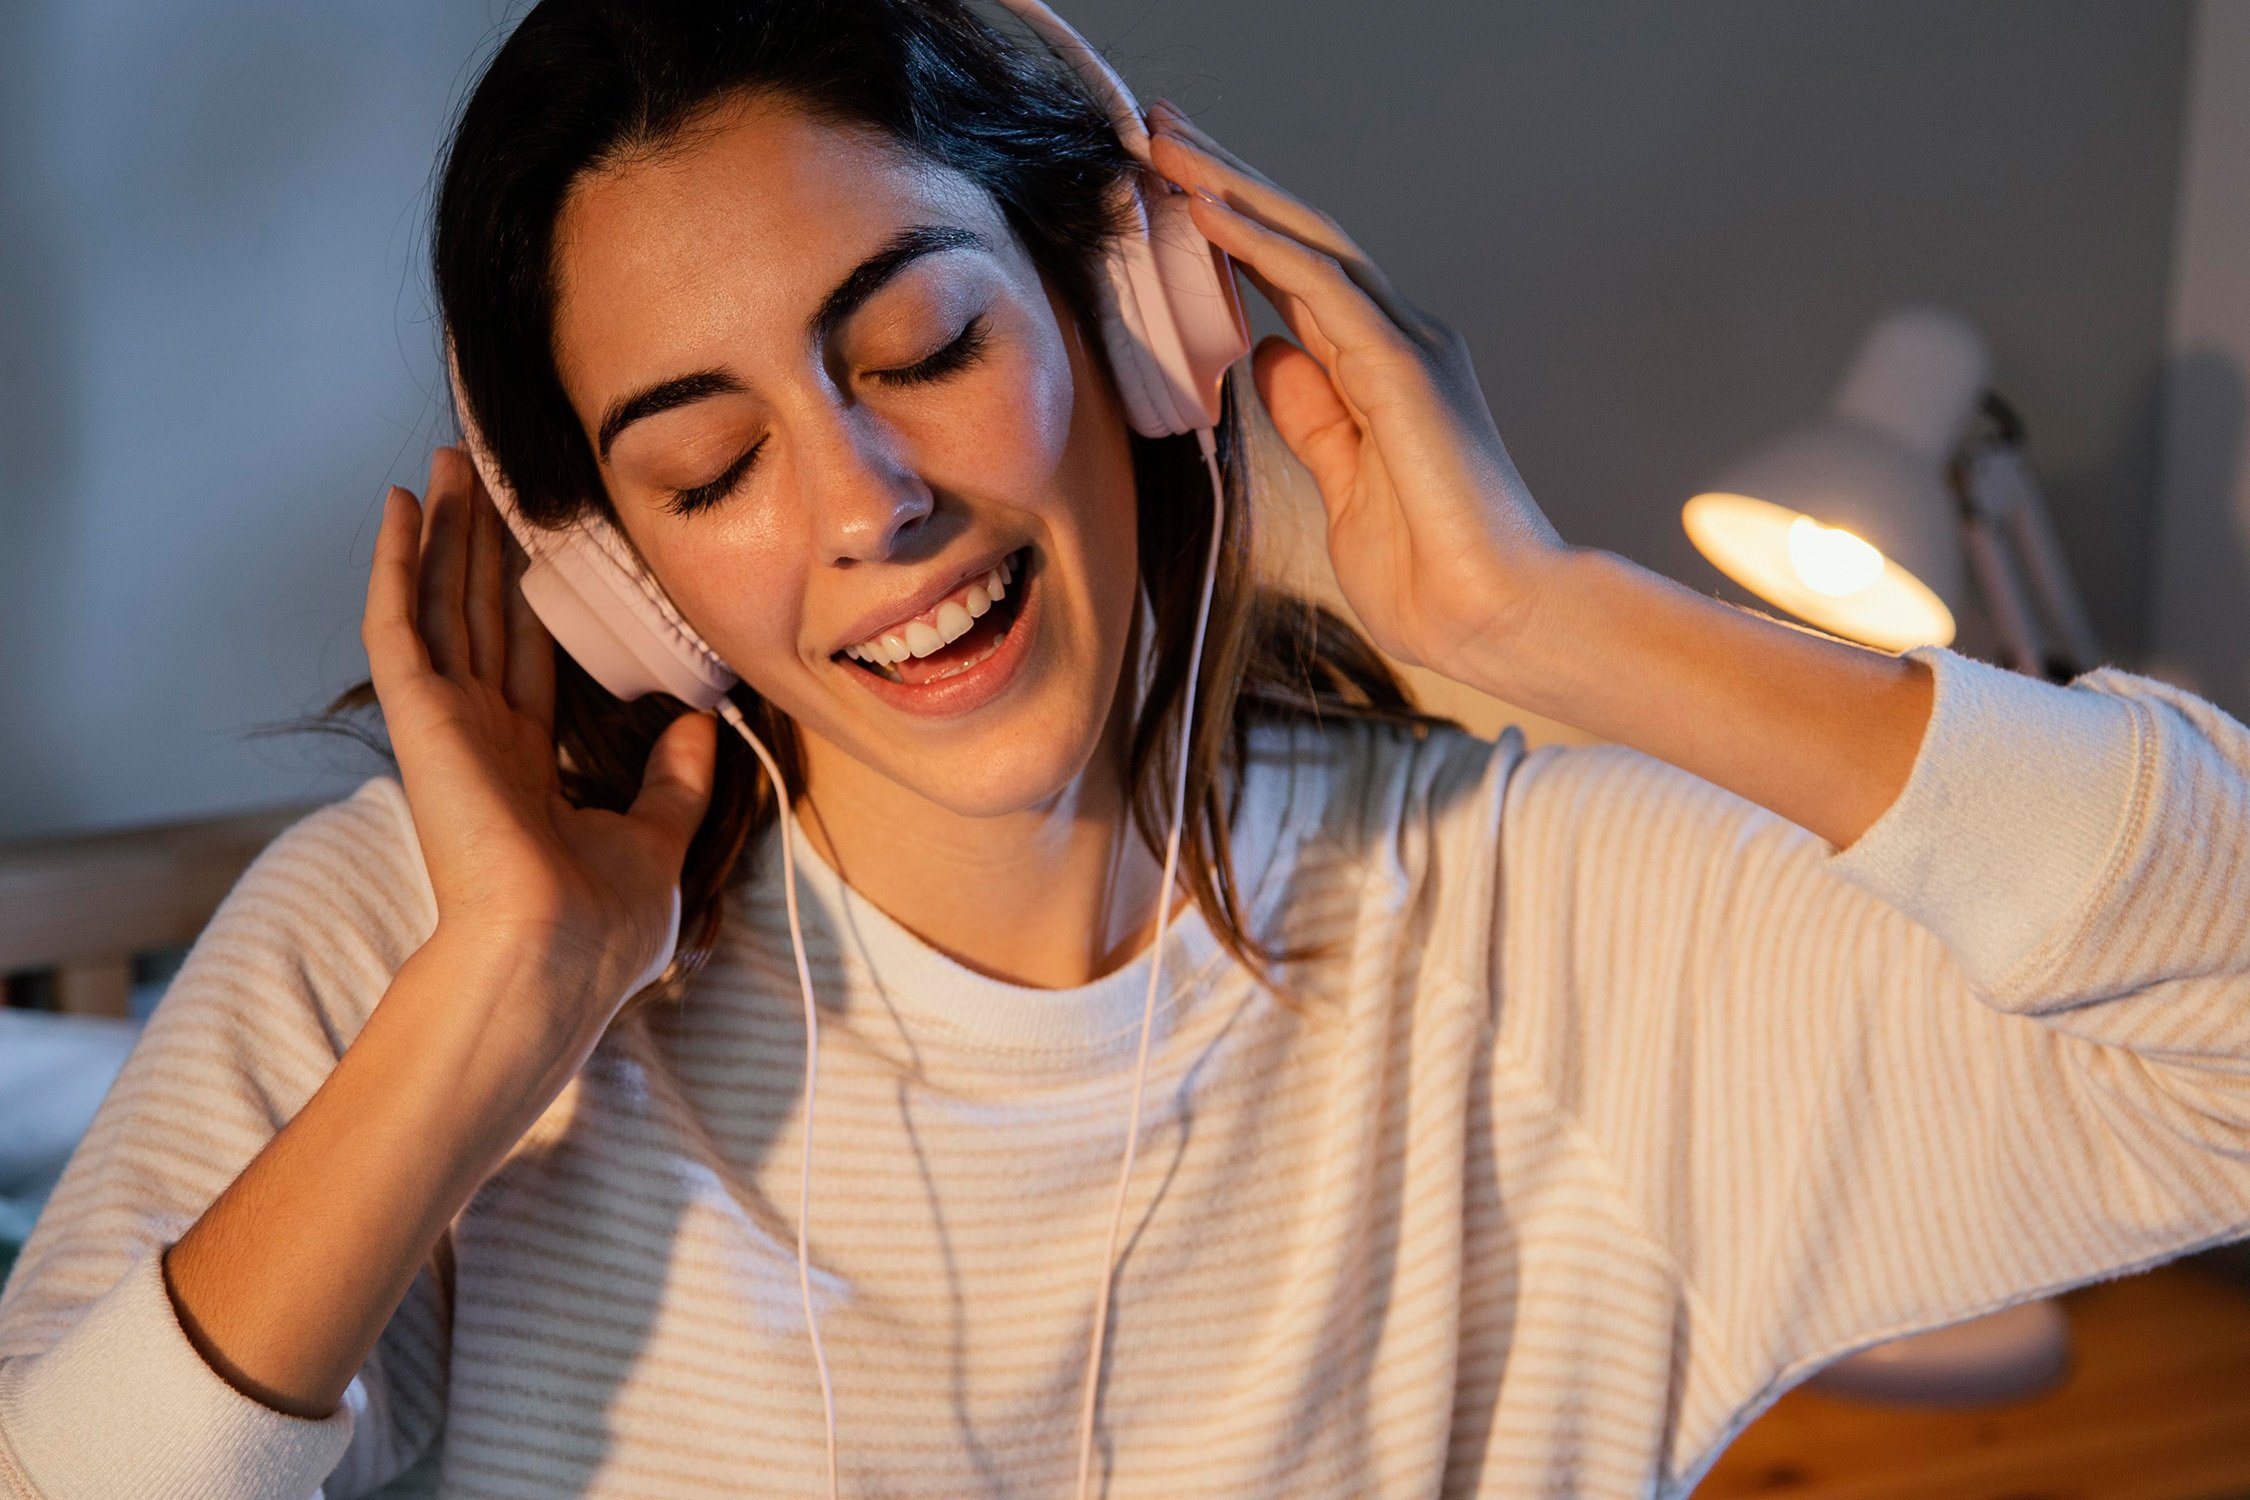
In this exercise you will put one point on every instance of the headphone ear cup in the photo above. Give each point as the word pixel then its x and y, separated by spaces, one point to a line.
pixel 1174 323
pixel 616 623
pixel 1125 333
pixel 1202 304
pixel 597 599
pixel 1176 320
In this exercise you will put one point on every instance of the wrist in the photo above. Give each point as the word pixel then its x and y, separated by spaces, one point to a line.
pixel 1530 654
pixel 517 1010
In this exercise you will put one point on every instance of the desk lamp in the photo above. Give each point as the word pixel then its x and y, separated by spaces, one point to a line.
pixel 1865 523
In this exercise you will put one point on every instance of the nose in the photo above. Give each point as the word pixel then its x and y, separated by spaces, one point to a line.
pixel 856 480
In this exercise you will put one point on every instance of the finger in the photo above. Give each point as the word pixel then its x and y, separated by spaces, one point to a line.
pixel 387 626
pixel 445 566
pixel 1298 318
pixel 1185 154
pixel 530 679
pixel 676 784
pixel 484 607
pixel 1316 345
pixel 1339 312
pixel 1315 424
pixel 1168 117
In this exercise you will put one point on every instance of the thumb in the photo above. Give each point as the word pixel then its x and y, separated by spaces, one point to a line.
pixel 676 784
pixel 1311 418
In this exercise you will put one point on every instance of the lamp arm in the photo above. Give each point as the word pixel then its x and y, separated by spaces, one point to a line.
pixel 2032 528
pixel 2002 496
pixel 2003 593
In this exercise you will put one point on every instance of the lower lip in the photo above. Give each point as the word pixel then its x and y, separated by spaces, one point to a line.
pixel 966 691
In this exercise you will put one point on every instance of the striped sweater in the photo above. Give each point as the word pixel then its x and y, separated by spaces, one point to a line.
pixel 1611 1107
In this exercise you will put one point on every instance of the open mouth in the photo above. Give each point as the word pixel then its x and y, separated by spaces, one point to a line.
pixel 959 633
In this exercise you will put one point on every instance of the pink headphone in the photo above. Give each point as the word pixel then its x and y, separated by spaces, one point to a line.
pixel 1172 325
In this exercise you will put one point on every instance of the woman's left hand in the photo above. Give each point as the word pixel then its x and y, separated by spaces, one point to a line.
pixel 1436 542
pixel 1449 565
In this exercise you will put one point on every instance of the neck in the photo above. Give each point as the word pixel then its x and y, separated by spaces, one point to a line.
pixel 1050 896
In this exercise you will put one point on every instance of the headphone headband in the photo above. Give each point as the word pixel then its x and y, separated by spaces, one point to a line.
pixel 1172 324
pixel 1108 88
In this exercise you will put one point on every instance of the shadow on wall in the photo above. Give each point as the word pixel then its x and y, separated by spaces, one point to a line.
pixel 2202 609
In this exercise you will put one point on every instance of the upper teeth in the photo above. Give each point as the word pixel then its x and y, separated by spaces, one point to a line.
pixel 938 628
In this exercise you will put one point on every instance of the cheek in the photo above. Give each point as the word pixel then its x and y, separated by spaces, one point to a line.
pixel 741 587
pixel 1009 433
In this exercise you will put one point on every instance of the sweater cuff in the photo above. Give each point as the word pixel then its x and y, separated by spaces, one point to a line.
pixel 123 1404
pixel 2019 796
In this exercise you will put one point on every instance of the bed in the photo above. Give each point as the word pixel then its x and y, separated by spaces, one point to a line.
pixel 90 928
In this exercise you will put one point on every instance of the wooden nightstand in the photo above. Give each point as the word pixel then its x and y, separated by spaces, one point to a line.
pixel 2156 1407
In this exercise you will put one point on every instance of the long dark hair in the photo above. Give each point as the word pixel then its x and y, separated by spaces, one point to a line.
pixel 582 83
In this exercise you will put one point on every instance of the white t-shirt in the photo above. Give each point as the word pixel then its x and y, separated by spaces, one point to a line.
pixel 1608 1107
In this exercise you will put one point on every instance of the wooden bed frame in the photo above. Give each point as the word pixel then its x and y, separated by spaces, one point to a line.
pixel 83 907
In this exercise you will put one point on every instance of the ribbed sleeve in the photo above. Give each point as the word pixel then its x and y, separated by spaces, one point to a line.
pixel 1999 1046
pixel 2022 802
pixel 101 1394
pixel 123 1405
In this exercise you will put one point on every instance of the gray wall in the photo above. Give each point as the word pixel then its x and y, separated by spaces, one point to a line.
pixel 213 354
pixel 1663 227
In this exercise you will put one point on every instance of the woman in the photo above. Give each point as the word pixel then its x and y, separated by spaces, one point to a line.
pixel 1516 1124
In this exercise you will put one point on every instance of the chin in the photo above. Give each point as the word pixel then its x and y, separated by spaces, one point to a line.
pixel 1020 759
pixel 1013 773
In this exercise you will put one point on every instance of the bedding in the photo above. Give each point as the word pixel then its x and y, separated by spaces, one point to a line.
pixel 54 1071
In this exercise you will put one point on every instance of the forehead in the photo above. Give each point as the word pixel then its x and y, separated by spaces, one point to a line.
pixel 742 224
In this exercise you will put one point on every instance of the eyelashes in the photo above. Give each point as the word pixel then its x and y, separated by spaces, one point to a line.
pixel 688 502
pixel 964 350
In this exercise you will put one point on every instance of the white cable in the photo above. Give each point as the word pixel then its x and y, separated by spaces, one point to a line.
pixel 787 821
pixel 1204 440
pixel 788 824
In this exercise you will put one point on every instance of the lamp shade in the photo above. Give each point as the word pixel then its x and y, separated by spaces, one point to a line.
pixel 1849 524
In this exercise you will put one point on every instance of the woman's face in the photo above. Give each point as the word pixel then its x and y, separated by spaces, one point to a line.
pixel 832 397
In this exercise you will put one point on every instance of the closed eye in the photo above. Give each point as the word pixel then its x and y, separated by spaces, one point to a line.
pixel 963 350
pixel 688 502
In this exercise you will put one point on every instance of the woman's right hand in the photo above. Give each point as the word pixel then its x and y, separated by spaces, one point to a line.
pixel 465 674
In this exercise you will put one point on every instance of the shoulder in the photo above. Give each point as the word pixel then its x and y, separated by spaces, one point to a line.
pixel 1362 783
pixel 329 909
pixel 352 863
pixel 1398 816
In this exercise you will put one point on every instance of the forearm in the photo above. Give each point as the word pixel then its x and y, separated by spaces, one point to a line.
pixel 286 1281
pixel 1820 732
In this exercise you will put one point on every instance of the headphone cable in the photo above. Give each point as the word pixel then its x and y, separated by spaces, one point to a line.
pixel 1206 442
pixel 728 711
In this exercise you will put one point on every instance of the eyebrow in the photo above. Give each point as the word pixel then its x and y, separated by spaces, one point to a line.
pixel 866 279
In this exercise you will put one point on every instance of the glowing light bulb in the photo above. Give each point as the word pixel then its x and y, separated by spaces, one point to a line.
pixel 1830 560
